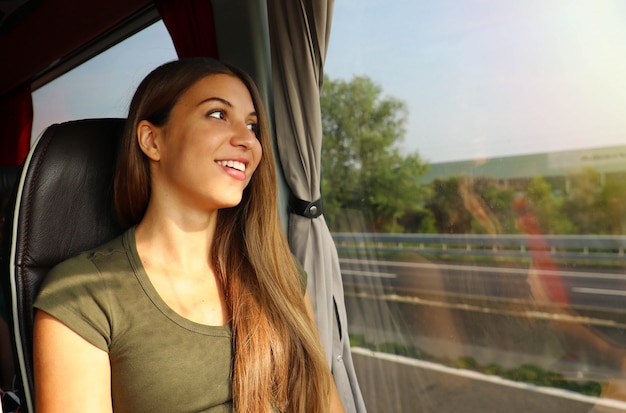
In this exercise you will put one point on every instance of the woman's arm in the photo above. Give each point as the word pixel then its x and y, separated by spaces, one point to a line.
pixel 335 402
pixel 71 374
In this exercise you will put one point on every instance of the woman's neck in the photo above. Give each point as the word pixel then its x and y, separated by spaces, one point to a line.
pixel 175 239
pixel 176 257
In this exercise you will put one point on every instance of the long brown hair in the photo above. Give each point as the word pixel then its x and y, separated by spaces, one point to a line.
pixel 278 362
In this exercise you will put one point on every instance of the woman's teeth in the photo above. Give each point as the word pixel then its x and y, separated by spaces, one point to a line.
pixel 233 164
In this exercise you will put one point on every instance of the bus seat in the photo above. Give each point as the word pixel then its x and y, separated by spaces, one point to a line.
pixel 8 178
pixel 63 205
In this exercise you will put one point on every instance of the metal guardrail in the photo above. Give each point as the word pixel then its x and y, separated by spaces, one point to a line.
pixel 572 247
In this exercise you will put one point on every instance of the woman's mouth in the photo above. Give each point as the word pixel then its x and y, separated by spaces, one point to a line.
pixel 240 166
pixel 235 169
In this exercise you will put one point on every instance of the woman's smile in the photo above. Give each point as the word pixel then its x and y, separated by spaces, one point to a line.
pixel 235 168
pixel 213 121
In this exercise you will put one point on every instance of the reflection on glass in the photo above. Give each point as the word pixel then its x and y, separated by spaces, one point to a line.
pixel 479 209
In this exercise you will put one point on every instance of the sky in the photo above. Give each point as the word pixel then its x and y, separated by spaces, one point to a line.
pixel 486 78
pixel 480 78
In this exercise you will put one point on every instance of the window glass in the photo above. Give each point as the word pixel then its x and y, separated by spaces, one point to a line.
pixel 102 86
pixel 473 172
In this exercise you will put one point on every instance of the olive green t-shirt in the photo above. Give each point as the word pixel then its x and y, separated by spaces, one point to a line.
pixel 160 361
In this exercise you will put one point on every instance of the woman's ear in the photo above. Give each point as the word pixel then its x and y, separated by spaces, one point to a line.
pixel 147 137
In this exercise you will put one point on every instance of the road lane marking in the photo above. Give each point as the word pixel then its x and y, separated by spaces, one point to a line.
pixel 525 313
pixel 498 270
pixel 370 273
pixel 551 391
pixel 599 291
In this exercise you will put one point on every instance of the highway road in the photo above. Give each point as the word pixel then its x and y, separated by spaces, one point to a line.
pixel 396 386
pixel 448 312
pixel 585 287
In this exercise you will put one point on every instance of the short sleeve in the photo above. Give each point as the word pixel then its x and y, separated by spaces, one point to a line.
pixel 74 292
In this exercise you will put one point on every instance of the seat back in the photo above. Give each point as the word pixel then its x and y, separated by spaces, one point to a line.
pixel 63 205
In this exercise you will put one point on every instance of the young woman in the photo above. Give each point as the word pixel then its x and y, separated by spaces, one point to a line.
pixel 199 306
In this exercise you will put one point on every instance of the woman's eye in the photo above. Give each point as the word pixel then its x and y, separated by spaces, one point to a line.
pixel 253 127
pixel 217 114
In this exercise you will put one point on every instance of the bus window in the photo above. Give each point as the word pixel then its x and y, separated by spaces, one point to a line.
pixel 473 169
pixel 102 86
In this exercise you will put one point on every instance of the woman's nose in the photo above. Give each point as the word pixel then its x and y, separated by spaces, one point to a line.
pixel 243 136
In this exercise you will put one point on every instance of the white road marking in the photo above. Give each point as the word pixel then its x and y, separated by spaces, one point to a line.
pixel 499 270
pixel 599 291
pixel 611 403
pixel 369 273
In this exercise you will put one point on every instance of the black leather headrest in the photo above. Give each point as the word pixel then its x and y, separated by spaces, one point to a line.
pixel 64 205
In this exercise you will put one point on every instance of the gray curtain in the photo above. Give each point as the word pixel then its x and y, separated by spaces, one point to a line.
pixel 299 34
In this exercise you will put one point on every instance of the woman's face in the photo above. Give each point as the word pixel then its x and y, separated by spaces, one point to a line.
pixel 208 150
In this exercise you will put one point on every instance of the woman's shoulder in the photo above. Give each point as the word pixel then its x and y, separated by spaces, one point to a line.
pixel 88 260
pixel 78 292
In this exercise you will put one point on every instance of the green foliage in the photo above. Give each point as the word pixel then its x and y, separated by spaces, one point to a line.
pixel 493 370
pixel 420 221
pixel 582 205
pixel 530 373
pixel 362 167
pixel 547 208
pixel 465 362
pixel 367 183
pixel 482 205
pixel 612 204
pixel 526 373
pixel 497 199
pixel 447 207
pixel 477 206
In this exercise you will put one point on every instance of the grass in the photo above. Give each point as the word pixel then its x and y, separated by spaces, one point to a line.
pixel 526 373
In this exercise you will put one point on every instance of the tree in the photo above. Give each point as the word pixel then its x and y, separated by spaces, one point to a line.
pixel 497 200
pixel 613 205
pixel 362 167
pixel 583 202
pixel 479 205
pixel 446 205
pixel 547 208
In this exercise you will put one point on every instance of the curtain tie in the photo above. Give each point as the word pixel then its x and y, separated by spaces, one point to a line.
pixel 306 209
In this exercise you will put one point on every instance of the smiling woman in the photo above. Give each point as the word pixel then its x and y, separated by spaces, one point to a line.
pixel 202 279
pixel 492 90
pixel 203 135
